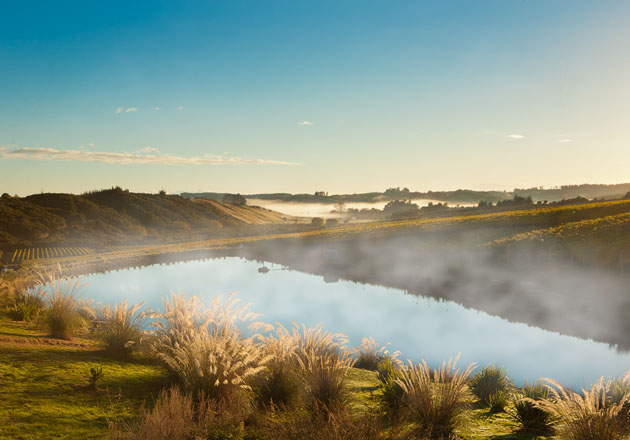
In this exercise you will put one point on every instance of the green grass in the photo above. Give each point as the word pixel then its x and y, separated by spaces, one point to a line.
pixel 44 388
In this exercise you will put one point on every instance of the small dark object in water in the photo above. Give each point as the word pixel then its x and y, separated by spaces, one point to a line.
pixel 263 269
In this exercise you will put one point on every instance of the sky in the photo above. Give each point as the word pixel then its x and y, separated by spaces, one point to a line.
pixel 300 96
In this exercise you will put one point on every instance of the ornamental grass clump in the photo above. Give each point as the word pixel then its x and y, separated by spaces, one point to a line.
pixel 435 401
pixel 27 305
pixel 279 384
pixel 392 394
pixel 531 418
pixel 590 415
pixel 323 363
pixel 177 415
pixel 204 347
pixel 121 327
pixel 65 311
pixel 370 353
pixel 491 386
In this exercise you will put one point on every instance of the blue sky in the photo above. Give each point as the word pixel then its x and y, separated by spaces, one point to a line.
pixel 298 96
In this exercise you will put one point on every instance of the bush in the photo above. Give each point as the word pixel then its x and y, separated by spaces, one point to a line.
pixel 533 420
pixel 121 327
pixel 590 415
pixel 435 400
pixel 324 364
pixel 317 222
pixel 491 386
pixel 65 312
pixel 204 348
pixel 368 355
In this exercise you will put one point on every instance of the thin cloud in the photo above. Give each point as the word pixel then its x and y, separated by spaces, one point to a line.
pixel 180 107
pixel 156 109
pixel 149 150
pixel 305 123
pixel 119 110
pixel 516 136
pixel 562 141
pixel 131 110
pixel 52 154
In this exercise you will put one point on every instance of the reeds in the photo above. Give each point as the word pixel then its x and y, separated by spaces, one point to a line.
pixel 435 400
pixel 120 327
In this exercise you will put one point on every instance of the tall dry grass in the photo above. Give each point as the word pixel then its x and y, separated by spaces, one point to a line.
pixel 590 415
pixel 180 416
pixel 369 354
pixel 279 383
pixel 65 311
pixel 121 327
pixel 204 347
pixel 435 401
pixel 324 362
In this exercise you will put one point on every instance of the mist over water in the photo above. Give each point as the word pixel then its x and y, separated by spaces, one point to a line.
pixel 418 326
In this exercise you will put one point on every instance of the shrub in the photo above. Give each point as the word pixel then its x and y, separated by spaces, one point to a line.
pixel 121 327
pixel 204 347
pixel 533 420
pixel 435 400
pixel 65 312
pixel 369 354
pixel 317 222
pixel 324 363
pixel 591 415
pixel 392 393
pixel 491 386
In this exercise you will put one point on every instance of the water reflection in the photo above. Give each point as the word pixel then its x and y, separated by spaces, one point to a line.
pixel 417 326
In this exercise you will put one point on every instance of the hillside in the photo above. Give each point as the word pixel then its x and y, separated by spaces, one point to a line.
pixel 115 215
pixel 461 196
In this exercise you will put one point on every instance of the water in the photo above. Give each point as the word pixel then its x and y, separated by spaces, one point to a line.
pixel 417 326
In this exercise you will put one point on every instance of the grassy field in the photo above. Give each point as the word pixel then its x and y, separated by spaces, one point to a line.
pixel 45 391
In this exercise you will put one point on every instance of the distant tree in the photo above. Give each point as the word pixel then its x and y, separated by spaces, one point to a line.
pixel 331 222
pixel 321 194
pixel 234 199
pixel 340 207
pixel 627 196
pixel 318 222
pixel 162 192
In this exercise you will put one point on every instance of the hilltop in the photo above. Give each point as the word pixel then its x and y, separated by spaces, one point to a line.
pixel 116 216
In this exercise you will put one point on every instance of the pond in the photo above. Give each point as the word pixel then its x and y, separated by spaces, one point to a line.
pixel 419 327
